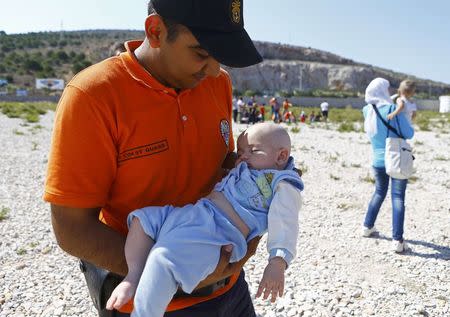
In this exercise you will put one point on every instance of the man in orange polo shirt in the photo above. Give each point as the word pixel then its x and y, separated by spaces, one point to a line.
pixel 131 131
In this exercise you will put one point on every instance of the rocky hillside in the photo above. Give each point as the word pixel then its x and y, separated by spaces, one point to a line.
pixel 293 68
pixel 288 69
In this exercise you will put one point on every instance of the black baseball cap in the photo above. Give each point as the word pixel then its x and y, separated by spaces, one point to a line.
pixel 218 25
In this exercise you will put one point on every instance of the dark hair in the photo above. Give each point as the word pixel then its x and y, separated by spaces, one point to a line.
pixel 173 28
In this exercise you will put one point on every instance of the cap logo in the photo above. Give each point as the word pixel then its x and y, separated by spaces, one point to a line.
pixel 236 11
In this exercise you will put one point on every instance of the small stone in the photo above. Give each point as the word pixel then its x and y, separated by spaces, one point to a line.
pixel 357 293
pixel 20 266
pixel 46 250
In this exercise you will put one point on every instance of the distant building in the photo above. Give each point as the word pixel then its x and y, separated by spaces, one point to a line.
pixel 21 92
pixel 50 83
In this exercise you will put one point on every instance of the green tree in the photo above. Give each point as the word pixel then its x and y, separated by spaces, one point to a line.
pixel 62 56
pixel 32 65
pixel 80 65
pixel 249 93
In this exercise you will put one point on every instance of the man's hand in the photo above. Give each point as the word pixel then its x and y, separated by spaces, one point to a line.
pixel 273 279
pixel 390 116
pixel 224 268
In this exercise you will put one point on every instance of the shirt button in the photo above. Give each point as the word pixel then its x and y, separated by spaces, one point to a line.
pixel 184 118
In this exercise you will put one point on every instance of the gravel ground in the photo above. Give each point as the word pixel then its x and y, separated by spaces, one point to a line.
pixel 337 273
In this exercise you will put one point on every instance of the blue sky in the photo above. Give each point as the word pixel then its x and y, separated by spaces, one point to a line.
pixel 410 36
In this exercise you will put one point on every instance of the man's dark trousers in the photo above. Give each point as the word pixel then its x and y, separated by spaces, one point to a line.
pixel 234 303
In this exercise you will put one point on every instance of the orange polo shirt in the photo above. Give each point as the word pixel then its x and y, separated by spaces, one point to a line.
pixel 122 140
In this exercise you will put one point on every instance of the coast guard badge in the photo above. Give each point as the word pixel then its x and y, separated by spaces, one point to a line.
pixel 236 11
pixel 225 131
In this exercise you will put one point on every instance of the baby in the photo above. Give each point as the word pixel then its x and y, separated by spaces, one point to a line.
pixel 169 247
pixel 406 91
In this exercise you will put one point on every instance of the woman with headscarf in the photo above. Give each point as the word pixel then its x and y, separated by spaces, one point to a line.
pixel 377 95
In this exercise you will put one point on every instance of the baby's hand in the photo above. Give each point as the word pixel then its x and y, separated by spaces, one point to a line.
pixel 390 116
pixel 273 279
pixel 121 295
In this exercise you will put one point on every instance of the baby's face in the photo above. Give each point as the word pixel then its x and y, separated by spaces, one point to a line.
pixel 255 152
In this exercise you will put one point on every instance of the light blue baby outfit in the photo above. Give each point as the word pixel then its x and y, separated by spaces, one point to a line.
pixel 188 239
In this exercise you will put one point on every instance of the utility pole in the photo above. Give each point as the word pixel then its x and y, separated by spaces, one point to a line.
pixel 61 33
pixel 300 79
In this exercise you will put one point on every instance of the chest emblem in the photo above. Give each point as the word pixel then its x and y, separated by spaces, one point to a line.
pixel 225 131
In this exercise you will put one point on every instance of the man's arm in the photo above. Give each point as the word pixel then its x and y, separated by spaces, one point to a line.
pixel 80 233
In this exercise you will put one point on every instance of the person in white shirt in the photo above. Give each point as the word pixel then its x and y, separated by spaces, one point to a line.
pixel 239 108
pixel 262 193
pixel 324 108
pixel 403 100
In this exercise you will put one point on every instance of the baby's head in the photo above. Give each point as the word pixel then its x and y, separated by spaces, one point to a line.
pixel 407 88
pixel 264 146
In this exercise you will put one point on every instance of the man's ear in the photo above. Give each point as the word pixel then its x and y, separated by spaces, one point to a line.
pixel 153 27
pixel 283 156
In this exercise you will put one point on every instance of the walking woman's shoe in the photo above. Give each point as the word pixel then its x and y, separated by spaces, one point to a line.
pixel 367 232
pixel 399 246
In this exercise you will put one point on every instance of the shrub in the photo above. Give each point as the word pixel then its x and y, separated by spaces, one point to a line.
pixel 334 177
pixel 249 93
pixel 284 93
pixel 30 112
pixel 4 213
pixel 348 114
pixel 62 56
pixel 32 65
pixel 80 65
pixel 346 127
pixel 302 167
pixel 368 178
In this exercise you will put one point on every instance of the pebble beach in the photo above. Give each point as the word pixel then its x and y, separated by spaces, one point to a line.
pixel 337 272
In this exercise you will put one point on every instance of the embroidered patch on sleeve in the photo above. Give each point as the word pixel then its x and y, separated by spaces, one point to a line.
pixel 225 131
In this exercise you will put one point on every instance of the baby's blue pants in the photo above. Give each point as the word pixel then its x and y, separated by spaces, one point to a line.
pixel 187 249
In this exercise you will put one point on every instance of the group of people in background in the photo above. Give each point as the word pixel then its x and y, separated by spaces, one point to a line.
pixel 251 112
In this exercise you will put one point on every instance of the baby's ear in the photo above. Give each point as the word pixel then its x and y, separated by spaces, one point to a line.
pixel 283 156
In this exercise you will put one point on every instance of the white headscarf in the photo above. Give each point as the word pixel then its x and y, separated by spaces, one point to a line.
pixel 377 93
